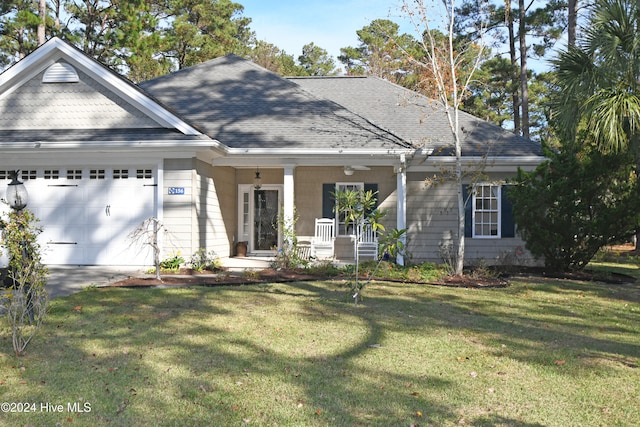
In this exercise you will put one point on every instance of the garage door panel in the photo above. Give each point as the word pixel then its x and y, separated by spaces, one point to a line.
pixel 87 220
pixel 59 253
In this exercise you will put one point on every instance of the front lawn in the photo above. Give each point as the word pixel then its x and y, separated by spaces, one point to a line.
pixel 541 352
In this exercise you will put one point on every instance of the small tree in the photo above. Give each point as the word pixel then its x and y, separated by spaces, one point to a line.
pixel 25 303
pixel 355 207
pixel 147 234
pixel 288 255
pixel 448 64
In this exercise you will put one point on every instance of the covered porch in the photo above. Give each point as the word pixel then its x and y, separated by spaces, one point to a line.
pixel 271 196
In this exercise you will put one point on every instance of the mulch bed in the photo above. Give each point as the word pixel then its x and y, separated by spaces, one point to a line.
pixel 188 277
pixel 496 279
pixel 214 278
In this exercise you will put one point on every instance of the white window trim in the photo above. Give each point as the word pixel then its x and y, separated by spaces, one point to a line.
pixel 499 210
pixel 360 186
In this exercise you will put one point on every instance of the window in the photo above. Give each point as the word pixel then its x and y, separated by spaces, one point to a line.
pixel 120 173
pixel 329 202
pixel 97 174
pixel 28 174
pixel 486 211
pixel 74 173
pixel 343 229
pixel 144 173
pixel 51 174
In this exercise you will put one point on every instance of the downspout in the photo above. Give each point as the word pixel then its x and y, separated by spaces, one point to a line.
pixel 401 219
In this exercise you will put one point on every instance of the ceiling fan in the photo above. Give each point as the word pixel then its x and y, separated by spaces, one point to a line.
pixel 348 170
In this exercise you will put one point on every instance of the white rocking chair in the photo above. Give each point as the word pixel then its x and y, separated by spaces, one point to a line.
pixel 322 244
pixel 367 242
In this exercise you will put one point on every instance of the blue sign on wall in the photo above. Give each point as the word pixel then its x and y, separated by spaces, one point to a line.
pixel 176 190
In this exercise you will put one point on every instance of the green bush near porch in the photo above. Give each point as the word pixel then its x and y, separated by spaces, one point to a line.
pixel 539 352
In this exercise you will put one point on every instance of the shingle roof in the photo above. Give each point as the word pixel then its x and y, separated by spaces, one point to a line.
pixel 245 106
pixel 415 118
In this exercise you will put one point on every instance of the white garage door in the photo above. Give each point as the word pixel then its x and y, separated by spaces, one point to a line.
pixel 87 214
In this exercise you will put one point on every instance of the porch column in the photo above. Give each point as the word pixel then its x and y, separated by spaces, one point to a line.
pixel 401 191
pixel 288 196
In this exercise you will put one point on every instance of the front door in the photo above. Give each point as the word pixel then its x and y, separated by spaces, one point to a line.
pixel 258 223
pixel 265 219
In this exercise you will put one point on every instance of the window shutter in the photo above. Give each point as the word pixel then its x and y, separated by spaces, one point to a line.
pixel 507 221
pixel 468 214
pixel 374 189
pixel 328 200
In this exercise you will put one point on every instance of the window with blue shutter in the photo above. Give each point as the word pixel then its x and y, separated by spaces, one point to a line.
pixel 328 199
pixel 488 207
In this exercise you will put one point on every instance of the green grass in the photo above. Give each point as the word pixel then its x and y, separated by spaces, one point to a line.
pixel 538 353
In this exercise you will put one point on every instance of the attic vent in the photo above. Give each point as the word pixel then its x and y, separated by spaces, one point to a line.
pixel 60 72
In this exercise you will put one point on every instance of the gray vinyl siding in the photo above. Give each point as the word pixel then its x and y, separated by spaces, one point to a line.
pixel 82 105
pixel 432 222
pixel 215 211
pixel 178 209
pixel 203 217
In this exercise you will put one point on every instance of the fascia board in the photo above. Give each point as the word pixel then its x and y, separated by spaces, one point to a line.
pixel 490 159
pixel 279 152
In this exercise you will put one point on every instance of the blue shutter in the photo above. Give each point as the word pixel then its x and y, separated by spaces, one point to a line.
pixel 328 200
pixel 468 214
pixel 507 221
pixel 374 189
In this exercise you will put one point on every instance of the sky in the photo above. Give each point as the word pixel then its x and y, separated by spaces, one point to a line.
pixel 329 24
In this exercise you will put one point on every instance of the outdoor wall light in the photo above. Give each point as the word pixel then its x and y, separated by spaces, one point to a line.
pixel 257 181
pixel 17 196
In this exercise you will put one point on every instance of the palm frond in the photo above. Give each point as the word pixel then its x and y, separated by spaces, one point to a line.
pixel 613 118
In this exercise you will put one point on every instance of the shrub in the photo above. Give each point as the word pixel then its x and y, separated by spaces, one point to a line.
pixel 574 204
pixel 203 260
pixel 25 304
pixel 172 263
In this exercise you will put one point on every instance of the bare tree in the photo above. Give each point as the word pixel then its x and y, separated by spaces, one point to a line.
pixel 451 63
pixel 147 234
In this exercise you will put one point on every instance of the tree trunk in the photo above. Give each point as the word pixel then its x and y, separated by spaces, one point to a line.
pixel 42 13
pixel 524 84
pixel 572 22
pixel 459 267
pixel 515 77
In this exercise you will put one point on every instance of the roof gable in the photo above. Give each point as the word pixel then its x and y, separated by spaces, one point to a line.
pixel 40 92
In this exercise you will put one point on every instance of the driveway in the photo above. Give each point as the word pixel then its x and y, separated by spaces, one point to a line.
pixel 66 280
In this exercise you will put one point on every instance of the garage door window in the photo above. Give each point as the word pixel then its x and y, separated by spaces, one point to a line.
pixel 51 174
pixel 121 174
pixel 74 173
pixel 26 175
pixel 144 173
pixel 96 174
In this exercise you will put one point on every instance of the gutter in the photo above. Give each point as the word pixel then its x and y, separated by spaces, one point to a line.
pixel 317 152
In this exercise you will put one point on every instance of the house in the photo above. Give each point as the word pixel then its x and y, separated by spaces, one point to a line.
pixel 99 155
